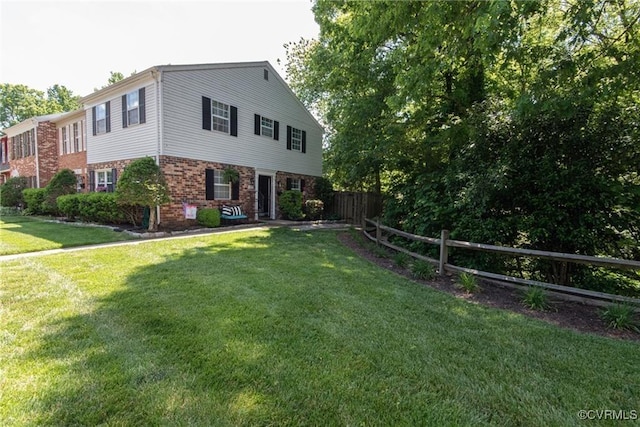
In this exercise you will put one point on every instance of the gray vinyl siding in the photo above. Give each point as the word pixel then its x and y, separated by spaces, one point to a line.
pixel 132 142
pixel 246 89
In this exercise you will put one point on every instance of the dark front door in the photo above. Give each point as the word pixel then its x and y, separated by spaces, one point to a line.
pixel 264 196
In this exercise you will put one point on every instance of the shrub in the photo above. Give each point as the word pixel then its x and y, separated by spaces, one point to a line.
pixel 33 200
pixel 401 259
pixel 100 207
pixel 69 205
pixel 314 208
pixel 468 282
pixel 63 182
pixel 535 298
pixel 423 270
pixel 11 192
pixel 208 217
pixel 290 203
pixel 620 316
pixel 324 191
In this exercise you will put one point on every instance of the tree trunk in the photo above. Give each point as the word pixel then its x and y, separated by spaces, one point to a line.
pixel 152 219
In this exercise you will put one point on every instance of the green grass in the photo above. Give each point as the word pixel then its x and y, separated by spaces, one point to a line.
pixel 20 234
pixel 277 327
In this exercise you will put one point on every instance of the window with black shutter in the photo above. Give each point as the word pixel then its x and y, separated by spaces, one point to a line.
pixel 219 116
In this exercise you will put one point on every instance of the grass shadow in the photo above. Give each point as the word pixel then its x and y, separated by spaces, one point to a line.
pixel 290 328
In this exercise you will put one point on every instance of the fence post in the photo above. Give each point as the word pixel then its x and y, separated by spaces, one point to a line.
pixel 378 231
pixel 444 251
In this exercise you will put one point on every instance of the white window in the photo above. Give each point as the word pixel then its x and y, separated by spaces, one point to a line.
pixel 296 139
pixel 76 137
pixel 266 127
pixel 65 141
pixel 295 184
pixel 220 116
pixel 101 118
pixel 221 190
pixel 104 180
pixel 133 108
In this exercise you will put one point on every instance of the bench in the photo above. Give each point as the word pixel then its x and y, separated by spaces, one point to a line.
pixel 231 214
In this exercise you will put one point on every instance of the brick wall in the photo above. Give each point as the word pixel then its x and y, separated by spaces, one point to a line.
pixel 186 180
pixel 24 167
pixel 76 162
pixel 47 137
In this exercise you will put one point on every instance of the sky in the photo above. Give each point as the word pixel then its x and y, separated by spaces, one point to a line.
pixel 78 43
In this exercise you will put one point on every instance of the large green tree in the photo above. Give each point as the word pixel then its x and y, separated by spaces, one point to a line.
pixel 505 122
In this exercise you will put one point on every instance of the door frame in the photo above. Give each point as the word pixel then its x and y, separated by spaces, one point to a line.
pixel 272 197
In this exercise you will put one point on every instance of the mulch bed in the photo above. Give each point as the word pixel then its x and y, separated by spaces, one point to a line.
pixel 566 314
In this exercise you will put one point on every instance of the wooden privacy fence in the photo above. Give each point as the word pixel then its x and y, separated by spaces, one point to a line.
pixel 354 207
pixel 565 292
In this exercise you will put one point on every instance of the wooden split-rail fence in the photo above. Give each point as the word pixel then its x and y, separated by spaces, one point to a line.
pixel 380 234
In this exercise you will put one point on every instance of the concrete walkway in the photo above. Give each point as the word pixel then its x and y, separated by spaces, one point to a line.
pixel 146 237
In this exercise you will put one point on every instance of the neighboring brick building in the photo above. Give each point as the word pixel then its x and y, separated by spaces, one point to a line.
pixel 196 121
pixel 32 146
pixel 41 146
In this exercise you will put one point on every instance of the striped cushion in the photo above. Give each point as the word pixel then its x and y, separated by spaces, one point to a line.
pixel 232 210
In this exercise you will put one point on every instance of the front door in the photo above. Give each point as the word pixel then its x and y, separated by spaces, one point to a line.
pixel 264 196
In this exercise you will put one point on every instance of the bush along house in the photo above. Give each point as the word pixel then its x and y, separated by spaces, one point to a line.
pixel 203 123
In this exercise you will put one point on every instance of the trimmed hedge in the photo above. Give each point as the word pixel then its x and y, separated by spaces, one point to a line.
pixel 33 200
pixel 314 209
pixel 208 217
pixel 291 205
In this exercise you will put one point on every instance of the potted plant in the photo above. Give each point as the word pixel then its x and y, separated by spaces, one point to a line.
pixel 230 175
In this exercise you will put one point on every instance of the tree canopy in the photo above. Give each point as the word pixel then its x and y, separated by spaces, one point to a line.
pixel 505 122
pixel 19 102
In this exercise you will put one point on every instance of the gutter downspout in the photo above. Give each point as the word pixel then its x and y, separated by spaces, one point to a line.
pixel 159 138
pixel 35 137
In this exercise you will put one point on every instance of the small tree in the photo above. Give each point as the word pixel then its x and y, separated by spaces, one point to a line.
pixel 11 192
pixel 64 182
pixel 143 184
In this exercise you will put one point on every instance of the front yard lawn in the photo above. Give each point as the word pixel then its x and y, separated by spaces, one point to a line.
pixel 20 234
pixel 277 327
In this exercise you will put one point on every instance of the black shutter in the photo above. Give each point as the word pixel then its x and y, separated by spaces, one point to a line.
pixel 256 124
pixel 276 130
pixel 142 105
pixel 234 121
pixel 93 121
pixel 208 183
pixel 92 179
pixel 206 115
pixel 288 183
pixel 302 185
pixel 304 141
pixel 108 113
pixel 114 179
pixel 124 111
pixel 235 190
pixel 288 137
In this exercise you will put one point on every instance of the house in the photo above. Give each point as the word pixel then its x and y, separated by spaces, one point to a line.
pixel 37 148
pixel 5 167
pixel 72 148
pixel 198 121
pixel 32 149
